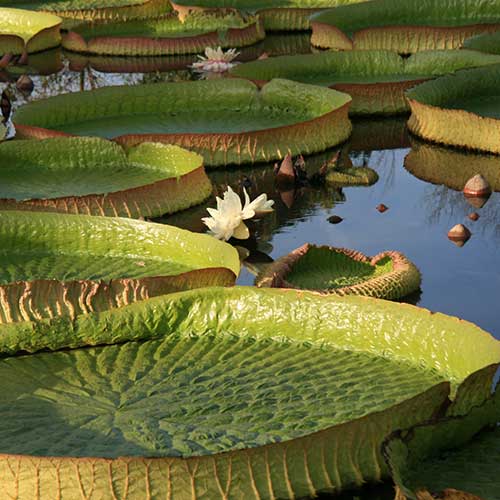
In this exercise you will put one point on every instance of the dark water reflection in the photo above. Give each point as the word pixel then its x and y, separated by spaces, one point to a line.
pixel 464 282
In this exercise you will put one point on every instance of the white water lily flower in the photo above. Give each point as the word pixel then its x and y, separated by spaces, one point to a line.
pixel 215 61
pixel 226 221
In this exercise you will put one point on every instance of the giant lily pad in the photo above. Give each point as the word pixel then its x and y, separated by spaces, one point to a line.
pixel 97 177
pixel 448 459
pixel 165 35
pixel 339 271
pixel 451 167
pixel 375 79
pixel 278 15
pixel 24 31
pixel 226 121
pixel 94 10
pixel 487 42
pixel 462 109
pixel 405 27
pixel 228 393
pixel 57 265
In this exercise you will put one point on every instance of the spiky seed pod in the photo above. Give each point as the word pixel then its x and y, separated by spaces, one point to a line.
pixel 382 208
pixel 25 84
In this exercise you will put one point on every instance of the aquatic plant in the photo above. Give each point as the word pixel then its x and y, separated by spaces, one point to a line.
pixel 448 459
pixel 405 27
pixel 375 79
pixel 226 121
pixel 23 31
pixel 459 109
pixel 58 265
pixel 278 15
pixel 340 271
pixel 227 220
pixel 345 373
pixel 94 10
pixel 166 35
pixel 215 61
pixel 97 177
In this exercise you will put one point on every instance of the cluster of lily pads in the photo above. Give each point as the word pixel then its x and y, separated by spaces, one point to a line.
pixel 131 364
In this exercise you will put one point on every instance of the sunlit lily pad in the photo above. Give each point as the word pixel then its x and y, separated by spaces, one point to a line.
pixel 24 31
pixel 95 10
pixel 57 265
pixel 339 271
pixel 462 109
pixel 165 35
pixel 487 42
pixel 226 121
pixel 278 15
pixel 97 177
pixel 406 27
pixel 448 459
pixel 229 391
pixel 375 79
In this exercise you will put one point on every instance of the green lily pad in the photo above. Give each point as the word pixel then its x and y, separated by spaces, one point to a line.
pixel 375 79
pixel 448 459
pixel 94 10
pixel 487 42
pixel 339 271
pixel 226 121
pixel 24 31
pixel 405 27
pixel 278 15
pixel 462 109
pixel 57 265
pixel 165 35
pixel 228 391
pixel 96 177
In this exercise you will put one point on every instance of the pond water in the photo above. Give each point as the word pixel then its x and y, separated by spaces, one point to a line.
pixel 464 282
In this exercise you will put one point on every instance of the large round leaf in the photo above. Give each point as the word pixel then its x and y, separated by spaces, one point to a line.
pixel 24 31
pixel 462 109
pixel 55 265
pixel 278 15
pixel 236 393
pixel 405 27
pixel 97 177
pixel 375 79
pixel 95 10
pixel 165 35
pixel 226 121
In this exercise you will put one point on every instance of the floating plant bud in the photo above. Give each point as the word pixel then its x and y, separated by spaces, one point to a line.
pixel 25 84
pixel 477 186
pixel 5 105
pixel 382 208
pixel 335 219
pixel 285 172
pixel 459 235
pixel 474 216
pixel 5 60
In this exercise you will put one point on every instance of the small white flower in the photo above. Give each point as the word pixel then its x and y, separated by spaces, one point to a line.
pixel 226 221
pixel 215 61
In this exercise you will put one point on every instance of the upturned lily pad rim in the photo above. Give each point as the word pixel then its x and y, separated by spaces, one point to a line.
pixel 344 22
pixel 166 170
pixel 275 275
pixel 93 39
pixel 321 106
pixel 430 106
pixel 442 435
pixel 28 31
pixel 461 352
